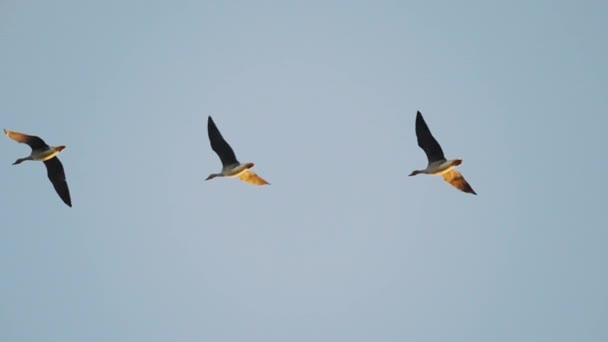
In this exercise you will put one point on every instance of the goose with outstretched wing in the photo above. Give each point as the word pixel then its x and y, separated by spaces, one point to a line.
pixel 231 167
pixel 437 164
pixel 47 154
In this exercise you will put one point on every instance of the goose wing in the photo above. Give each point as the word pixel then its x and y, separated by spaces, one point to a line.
pixel 56 175
pixel 33 141
pixel 457 180
pixel 252 178
pixel 219 145
pixel 426 141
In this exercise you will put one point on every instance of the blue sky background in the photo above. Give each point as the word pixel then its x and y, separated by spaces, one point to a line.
pixel 322 96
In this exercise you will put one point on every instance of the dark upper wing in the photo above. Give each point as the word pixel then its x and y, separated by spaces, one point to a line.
pixel 219 145
pixel 57 177
pixel 426 141
pixel 34 141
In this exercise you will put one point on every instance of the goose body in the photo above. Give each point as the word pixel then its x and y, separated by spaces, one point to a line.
pixel 438 165
pixel 44 154
pixel 441 167
pixel 47 154
pixel 231 167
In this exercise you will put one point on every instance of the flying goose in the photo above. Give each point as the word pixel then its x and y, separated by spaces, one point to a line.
pixel 47 154
pixel 438 165
pixel 230 165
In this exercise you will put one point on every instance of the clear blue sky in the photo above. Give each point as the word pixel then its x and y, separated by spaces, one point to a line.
pixel 322 96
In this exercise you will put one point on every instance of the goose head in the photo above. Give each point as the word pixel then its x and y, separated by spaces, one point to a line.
pixel 211 176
